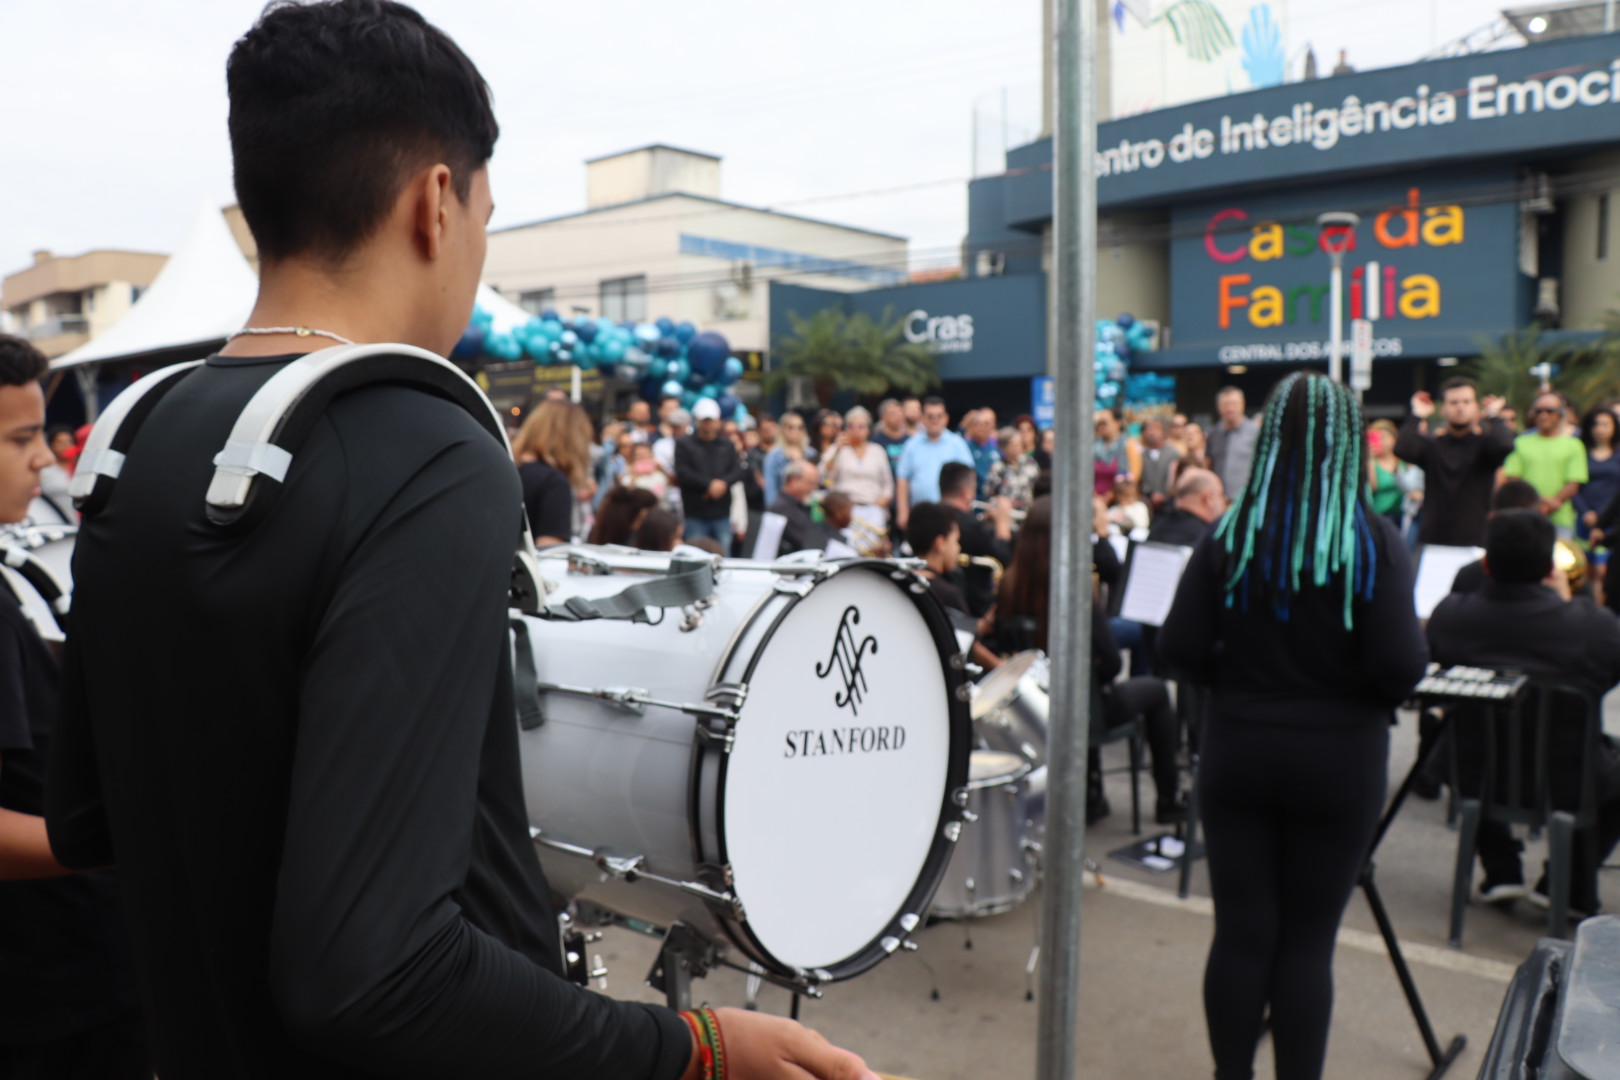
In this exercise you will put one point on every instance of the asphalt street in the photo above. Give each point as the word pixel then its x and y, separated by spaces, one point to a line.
pixel 1142 953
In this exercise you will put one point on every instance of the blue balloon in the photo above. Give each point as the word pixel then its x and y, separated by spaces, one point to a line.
pixel 610 349
pixel 648 335
pixel 710 391
pixel 732 371
pixel 1126 321
pixel 627 372
pixel 668 346
pixel 565 356
pixel 685 332
pixel 680 370
pixel 569 339
pixel 708 353
pixel 666 325
pixel 481 318
pixel 586 330
pixel 650 387
pixel 728 404
pixel 658 368
pixel 696 381
pixel 673 389
pixel 584 361
pixel 689 399
pixel 740 414
pixel 550 314
pixel 538 347
pixel 499 343
pixel 470 345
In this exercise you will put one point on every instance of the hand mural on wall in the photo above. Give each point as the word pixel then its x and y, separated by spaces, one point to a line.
pixel 1199 27
pixel 1263 55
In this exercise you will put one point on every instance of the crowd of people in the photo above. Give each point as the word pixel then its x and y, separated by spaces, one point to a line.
pixel 1296 610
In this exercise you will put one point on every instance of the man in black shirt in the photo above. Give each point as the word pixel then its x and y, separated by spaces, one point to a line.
pixel 297 741
pixel 1520 619
pixel 706 465
pixel 958 483
pixel 1459 461
pixel 800 533
pixel 1199 502
pixel 67 986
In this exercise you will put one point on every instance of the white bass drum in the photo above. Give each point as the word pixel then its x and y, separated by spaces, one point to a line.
pixel 782 767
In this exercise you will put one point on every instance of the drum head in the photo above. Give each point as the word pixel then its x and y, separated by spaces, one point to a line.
pixel 1001 685
pixel 837 785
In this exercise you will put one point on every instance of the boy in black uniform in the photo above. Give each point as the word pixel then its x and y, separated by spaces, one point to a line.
pixel 67 992
pixel 298 741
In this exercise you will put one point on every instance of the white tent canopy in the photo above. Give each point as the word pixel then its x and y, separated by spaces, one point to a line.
pixel 203 292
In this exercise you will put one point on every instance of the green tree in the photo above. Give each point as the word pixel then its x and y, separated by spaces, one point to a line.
pixel 852 352
pixel 1588 372
pixel 1504 364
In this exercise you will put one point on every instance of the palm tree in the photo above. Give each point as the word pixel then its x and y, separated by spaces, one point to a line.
pixel 837 352
pixel 1588 372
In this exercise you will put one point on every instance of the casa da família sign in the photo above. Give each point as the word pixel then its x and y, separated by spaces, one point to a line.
pixel 1432 265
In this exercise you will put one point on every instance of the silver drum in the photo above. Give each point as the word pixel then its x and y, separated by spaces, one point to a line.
pixel 994 867
pixel 1011 707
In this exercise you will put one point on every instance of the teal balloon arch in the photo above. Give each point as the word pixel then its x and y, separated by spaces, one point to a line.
pixel 664 358
pixel 1118 340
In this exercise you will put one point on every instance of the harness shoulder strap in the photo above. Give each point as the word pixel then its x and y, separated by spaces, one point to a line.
pixel 270 429
pixel 103 456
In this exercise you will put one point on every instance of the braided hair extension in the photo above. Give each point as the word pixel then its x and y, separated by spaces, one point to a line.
pixel 1304 516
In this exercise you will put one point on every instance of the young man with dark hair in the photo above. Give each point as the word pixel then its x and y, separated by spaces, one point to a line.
pixel 1459 460
pixel 68 1006
pixel 1523 618
pixel 935 538
pixel 991 538
pixel 297 741
pixel 1514 494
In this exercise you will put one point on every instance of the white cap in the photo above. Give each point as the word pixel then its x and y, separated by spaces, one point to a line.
pixel 706 409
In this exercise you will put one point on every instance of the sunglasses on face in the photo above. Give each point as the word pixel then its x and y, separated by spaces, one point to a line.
pixel 1538 412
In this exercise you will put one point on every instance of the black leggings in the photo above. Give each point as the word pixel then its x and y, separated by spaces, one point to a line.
pixel 1288 813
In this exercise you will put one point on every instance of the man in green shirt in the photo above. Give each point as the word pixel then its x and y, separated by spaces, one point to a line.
pixel 1552 462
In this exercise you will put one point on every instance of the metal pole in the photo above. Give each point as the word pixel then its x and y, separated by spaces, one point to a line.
pixel 1336 320
pixel 1608 17
pixel 1074 265
pixel 574 386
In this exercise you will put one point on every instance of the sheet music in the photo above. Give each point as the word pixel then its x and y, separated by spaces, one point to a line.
pixel 837 549
pixel 1437 569
pixel 769 540
pixel 1150 582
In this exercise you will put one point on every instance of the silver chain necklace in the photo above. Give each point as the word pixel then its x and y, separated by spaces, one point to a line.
pixel 301 331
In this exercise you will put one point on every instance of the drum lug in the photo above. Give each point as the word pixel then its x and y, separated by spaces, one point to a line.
pixel 964 692
pixel 795 586
pixel 718 731
pixel 624 867
pixel 953 831
pixel 961 796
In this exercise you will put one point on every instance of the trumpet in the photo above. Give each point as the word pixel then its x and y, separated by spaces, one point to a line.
pixel 1572 561
pixel 984 508
pixel 983 562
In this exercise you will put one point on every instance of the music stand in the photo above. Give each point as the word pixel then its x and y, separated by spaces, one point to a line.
pixel 1452 685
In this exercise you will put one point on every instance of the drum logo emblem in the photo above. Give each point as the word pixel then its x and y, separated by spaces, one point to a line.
pixel 845 659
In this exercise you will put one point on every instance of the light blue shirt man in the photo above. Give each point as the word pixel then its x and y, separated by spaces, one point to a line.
pixel 928 451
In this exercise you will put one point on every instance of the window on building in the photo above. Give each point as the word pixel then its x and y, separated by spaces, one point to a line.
pixel 625 298
pixel 537 300
pixel 1603 226
pixel 135 292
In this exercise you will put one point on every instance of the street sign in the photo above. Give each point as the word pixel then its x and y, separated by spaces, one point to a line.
pixel 1361 354
pixel 1042 401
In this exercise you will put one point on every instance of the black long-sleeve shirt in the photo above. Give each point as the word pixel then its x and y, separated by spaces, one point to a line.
pixel 1310 669
pixel 698 463
pixel 1459 472
pixel 299 747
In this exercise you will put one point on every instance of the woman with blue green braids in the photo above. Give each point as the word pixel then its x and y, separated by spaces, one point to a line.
pixel 1297 613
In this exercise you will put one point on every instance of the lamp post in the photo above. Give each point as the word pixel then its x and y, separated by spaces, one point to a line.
pixel 1338 232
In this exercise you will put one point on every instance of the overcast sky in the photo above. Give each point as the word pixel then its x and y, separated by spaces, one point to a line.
pixel 114 130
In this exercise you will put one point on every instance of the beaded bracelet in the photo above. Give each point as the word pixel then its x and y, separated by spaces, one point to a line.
pixel 710 1043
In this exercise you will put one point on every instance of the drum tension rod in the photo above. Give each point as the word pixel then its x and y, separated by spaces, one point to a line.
pixel 633 868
